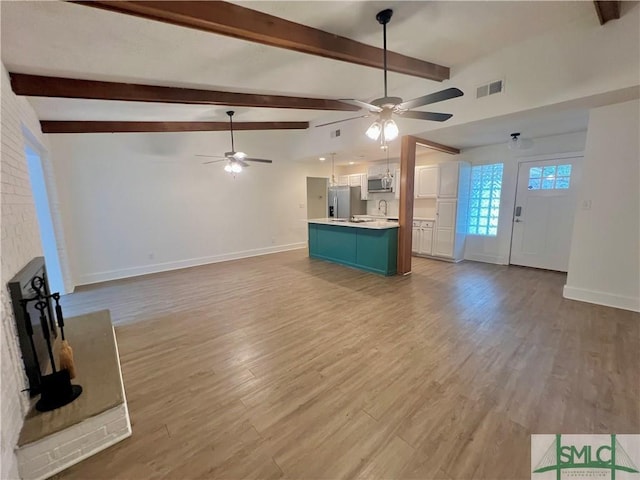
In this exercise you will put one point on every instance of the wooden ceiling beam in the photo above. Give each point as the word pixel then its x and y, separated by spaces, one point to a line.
pixel 63 126
pixel 437 146
pixel 40 86
pixel 607 10
pixel 225 18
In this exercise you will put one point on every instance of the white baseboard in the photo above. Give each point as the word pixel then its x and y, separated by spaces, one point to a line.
pixel 480 257
pixel 601 298
pixel 98 277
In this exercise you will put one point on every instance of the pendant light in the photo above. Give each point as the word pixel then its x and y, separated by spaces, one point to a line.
pixel 517 143
pixel 332 182
pixel 387 179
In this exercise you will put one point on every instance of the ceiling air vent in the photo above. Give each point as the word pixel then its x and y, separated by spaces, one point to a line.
pixel 335 133
pixel 490 88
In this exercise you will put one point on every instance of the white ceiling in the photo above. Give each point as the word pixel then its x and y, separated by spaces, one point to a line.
pixel 64 39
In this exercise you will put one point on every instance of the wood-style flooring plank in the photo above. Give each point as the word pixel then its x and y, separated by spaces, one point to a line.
pixel 281 366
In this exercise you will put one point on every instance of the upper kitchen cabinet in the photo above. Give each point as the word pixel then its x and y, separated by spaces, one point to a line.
pixel 426 182
pixel 355 180
pixel 448 175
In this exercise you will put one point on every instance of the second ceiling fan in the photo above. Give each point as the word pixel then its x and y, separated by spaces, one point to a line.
pixel 235 160
pixel 385 128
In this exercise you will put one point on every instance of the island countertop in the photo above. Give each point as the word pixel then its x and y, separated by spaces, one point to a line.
pixel 375 225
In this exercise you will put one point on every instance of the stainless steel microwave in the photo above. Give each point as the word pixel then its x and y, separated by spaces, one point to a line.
pixel 374 184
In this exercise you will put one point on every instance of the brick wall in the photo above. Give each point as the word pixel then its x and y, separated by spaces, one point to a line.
pixel 19 243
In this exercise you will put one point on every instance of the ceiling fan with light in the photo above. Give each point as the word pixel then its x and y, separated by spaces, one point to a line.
pixel 235 160
pixel 384 128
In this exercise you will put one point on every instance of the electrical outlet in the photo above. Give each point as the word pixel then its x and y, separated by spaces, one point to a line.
pixel 586 205
pixel 301 205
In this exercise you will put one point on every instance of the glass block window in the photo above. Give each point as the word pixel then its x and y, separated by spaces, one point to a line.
pixel 549 178
pixel 484 202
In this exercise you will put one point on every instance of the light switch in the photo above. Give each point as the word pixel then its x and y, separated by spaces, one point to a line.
pixel 586 205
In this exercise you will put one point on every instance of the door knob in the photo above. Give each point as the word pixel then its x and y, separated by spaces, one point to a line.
pixel 517 220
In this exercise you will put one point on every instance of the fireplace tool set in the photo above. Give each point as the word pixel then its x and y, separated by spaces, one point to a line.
pixel 56 389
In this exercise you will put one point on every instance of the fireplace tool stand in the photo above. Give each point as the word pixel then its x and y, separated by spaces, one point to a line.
pixel 56 389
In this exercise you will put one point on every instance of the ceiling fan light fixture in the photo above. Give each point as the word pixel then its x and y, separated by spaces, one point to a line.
pixel 236 168
pixel 228 168
pixel 391 130
pixel 373 132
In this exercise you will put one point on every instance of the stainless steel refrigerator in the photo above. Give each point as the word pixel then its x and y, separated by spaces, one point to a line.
pixel 344 202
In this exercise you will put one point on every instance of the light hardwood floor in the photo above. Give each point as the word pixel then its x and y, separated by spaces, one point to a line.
pixel 285 367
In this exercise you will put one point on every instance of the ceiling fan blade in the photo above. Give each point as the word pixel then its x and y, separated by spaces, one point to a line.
pixel 433 116
pixel 431 98
pixel 261 160
pixel 242 163
pixel 214 161
pixel 366 106
pixel 210 156
pixel 343 120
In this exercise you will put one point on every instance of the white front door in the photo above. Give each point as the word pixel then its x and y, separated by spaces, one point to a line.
pixel 543 217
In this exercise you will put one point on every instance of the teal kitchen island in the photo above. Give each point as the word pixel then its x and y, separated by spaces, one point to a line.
pixel 370 246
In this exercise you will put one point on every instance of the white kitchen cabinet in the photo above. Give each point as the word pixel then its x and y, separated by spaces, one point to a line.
pixel 422 237
pixel 445 228
pixel 355 180
pixel 444 238
pixel 396 183
pixel 451 210
pixel 415 238
pixel 448 179
pixel 364 187
pixel 426 183
pixel 444 242
pixel 426 238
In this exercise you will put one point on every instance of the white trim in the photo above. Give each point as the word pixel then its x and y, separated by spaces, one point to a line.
pixel 481 257
pixel 602 298
pixel 89 278
pixel 548 156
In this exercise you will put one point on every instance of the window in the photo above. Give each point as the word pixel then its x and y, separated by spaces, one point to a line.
pixel 484 203
pixel 549 178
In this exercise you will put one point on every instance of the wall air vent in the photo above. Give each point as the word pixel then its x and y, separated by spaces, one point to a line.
pixel 335 133
pixel 491 88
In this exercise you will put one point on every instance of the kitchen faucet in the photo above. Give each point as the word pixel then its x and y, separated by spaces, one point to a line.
pixel 385 206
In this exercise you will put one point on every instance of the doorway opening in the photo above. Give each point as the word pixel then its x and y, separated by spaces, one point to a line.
pixel 317 191
pixel 45 221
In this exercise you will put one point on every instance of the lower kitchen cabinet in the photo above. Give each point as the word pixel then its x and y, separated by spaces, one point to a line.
pixel 422 237
pixel 370 249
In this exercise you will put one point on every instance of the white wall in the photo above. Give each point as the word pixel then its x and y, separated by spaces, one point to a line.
pixel 496 249
pixel 604 265
pixel 20 243
pixel 142 203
